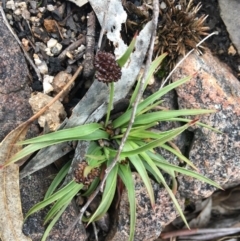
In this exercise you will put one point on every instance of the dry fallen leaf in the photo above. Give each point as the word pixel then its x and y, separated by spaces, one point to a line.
pixel 80 3
pixel 11 218
pixel 204 216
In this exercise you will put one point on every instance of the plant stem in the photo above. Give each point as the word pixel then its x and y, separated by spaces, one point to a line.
pixel 110 103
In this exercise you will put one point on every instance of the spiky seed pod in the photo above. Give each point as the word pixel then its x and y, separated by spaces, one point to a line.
pixel 81 177
pixel 179 28
pixel 107 69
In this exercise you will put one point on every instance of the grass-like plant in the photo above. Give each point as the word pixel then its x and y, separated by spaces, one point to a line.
pixel 139 153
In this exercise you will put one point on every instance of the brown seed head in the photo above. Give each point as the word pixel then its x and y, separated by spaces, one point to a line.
pixel 79 174
pixel 107 69
pixel 179 28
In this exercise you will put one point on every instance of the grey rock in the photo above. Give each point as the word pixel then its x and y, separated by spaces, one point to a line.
pixel 217 156
pixel 14 88
pixel 229 11
pixel 149 221
pixel 33 189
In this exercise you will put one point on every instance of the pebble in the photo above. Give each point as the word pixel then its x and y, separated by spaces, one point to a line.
pixel 33 4
pixel 56 49
pixel 51 43
pixel 41 65
pixel 53 116
pixel 18 11
pixel 26 14
pixel 21 5
pixel 50 7
pixel 10 5
pixel 42 9
pixel 47 84
pixel 163 5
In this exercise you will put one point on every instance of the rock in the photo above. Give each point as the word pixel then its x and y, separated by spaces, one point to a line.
pixel 10 5
pixel 229 11
pixel 53 116
pixel 50 26
pixel 149 221
pixel 59 81
pixel 51 43
pixel 33 189
pixel 41 64
pixel 217 156
pixel 47 84
pixel 14 88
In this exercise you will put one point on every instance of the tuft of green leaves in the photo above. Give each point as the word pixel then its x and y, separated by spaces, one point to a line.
pixel 139 152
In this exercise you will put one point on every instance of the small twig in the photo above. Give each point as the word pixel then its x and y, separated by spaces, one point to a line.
pixel 138 98
pixel 24 125
pixel 60 33
pixel 88 68
pixel 140 91
pixel 19 42
pixel 184 58
pixel 72 46
pixel 95 231
pixel 103 30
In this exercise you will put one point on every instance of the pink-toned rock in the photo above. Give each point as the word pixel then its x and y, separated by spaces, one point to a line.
pixel 216 155
pixel 149 221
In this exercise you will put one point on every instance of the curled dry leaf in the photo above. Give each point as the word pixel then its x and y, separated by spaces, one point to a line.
pixel 204 216
pixel 11 218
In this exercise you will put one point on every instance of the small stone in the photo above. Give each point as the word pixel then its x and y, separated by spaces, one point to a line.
pixel 25 44
pixel 10 5
pixel 47 84
pixel 80 49
pixel 50 7
pixel 40 46
pixel 42 9
pixel 9 16
pixel 21 5
pixel 163 5
pixel 41 65
pixel 83 18
pixel 34 19
pixel 59 81
pixel 26 14
pixel 18 11
pixel 33 4
pixel 51 43
pixel 56 49
pixel 232 50
pixel 50 25
pixel 53 116
pixel 48 51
